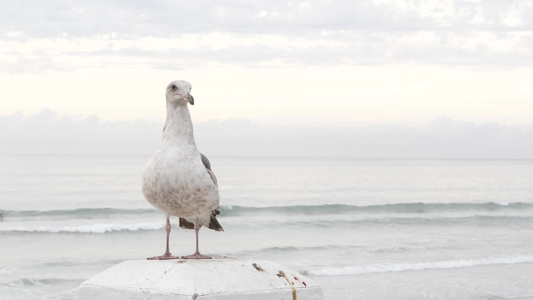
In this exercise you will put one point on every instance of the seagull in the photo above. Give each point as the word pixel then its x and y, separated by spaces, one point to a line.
pixel 178 179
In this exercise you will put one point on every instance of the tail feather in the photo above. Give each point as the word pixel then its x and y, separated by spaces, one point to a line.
pixel 186 224
pixel 213 222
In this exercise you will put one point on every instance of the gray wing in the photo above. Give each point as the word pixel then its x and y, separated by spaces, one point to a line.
pixel 213 222
pixel 207 166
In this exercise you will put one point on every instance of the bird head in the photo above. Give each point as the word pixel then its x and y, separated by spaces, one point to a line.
pixel 178 93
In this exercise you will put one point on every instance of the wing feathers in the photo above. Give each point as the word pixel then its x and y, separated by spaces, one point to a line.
pixel 207 166
pixel 213 222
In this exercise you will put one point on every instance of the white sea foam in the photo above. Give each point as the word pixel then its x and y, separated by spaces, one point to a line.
pixel 420 266
pixel 7 271
pixel 93 228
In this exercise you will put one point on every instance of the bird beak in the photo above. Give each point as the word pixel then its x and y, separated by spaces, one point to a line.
pixel 190 99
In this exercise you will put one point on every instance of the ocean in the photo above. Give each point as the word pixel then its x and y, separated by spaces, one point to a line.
pixel 361 228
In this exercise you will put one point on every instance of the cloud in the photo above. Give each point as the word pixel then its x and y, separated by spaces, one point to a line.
pixel 160 34
pixel 441 138
pixel 46 132
pixel 171 18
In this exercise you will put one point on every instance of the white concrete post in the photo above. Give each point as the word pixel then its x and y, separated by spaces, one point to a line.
pixel 218 278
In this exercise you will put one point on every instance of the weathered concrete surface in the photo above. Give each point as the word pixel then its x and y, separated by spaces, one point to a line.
pixel 220 278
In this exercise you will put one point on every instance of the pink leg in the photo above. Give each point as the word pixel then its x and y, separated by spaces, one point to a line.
pixel 197 254
pixel 167 254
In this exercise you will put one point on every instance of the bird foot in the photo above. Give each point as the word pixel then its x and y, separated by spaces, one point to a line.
pixel 197 255
pixel 163 257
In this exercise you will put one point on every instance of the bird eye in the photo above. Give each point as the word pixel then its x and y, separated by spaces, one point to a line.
pixel 173 87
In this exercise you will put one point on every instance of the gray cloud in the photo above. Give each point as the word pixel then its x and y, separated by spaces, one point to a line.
pixel 47 132
pixel 442 138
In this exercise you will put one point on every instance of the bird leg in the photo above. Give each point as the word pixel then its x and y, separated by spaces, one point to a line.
pixel 196 254
pixel 167 254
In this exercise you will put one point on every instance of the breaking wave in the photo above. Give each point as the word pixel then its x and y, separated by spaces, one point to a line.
pixel 420 266
pixel 229 210
pixel 80 213
pixel 418 208
pixel 93 228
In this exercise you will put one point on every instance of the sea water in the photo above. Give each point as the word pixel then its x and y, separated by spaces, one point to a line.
pixel 361 228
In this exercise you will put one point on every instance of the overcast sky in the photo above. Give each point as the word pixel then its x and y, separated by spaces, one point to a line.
pixel 364 71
